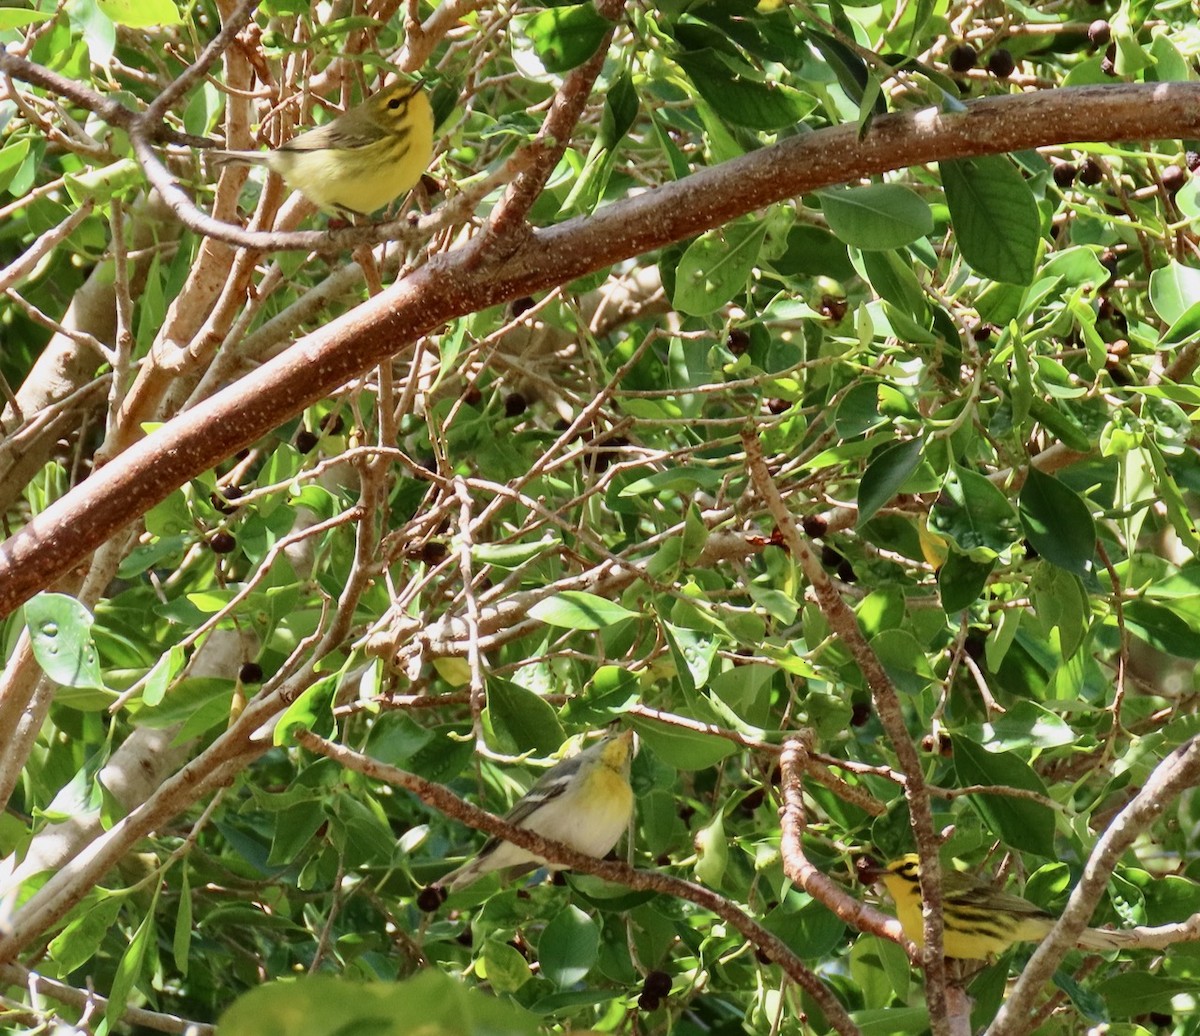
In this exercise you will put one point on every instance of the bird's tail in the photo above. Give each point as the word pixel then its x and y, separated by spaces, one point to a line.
pixel 217 158
pixel 1105 939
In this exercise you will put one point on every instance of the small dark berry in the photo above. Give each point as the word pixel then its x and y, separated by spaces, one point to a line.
pixel 752 801
pixel 466 937
pixel 1192 160
pixel 1001 63
pixel 963 57
pixel 430 898
pixel 518 944
pixel 940 744
pixel 430 553
pixel 332 424
pixel 760 955
pixel 1108 259
pixel 472 396
pixel 778 406
pixel 1161 1018
pixel 830 557
pixel 1173 178
pixel 223 499
pixel 514 404
pixel 845 572
pixel 1109 64
pixel 1100 33
pixel 775 776
pixel 521 305
pixel 664 860
pixel 974 646
pixel 814 526
pixel 1064 173
pixel 222 543
pixel 647 1002
pixel 657 983
pixel 686 813
pixel 1090 173
pixel 833 308
pixel 430 184
pixel 860 714
pixel 306 441
pixel 737 341
pixel 982 332
pixel 251 672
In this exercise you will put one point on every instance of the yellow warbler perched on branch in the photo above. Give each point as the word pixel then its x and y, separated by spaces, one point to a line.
pixel 584 802
pixel 979 921
pixel 359 161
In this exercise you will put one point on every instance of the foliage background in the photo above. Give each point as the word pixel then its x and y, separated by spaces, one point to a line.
pixel 972 384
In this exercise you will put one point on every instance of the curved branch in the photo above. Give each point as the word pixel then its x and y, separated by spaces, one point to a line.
pixel 1175 774
pixel 449 287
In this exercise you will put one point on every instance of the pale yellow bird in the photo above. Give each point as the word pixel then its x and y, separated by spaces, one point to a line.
pixel 361 160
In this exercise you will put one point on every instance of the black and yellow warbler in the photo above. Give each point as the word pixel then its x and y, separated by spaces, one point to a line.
pixel 979 920
pixel 359 161
pixel 584 802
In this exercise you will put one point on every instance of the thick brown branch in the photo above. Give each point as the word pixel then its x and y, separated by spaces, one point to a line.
pixel 447 287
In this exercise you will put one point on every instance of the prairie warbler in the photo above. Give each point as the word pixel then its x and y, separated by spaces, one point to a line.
pixel 359 161
pixel 584 802
pixel 979 921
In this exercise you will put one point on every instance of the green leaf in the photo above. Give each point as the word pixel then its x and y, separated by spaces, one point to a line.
pixel 512 555
pixel 526 718
pixel 1141 991
pixel 503 966
pixel 682 479
pixel 431 1002
pixel 60 629
pixel 1058 523
pixel 961 580
pixel 76 944
pixel 16 17
pixel 161 674
pixel 974 514
pixel 1174 289
pixel 716 267
pixel 313 710
pixel 565 37
pixel 740 99
pixel 884 476
pixel 576 610
pixel 995 217
pixel 568 948
pixel 679 748
pixel 1161 628
pixel 140 14
pixel 878 216
pixel 1023 824
pixel 182 940
pixel 129 969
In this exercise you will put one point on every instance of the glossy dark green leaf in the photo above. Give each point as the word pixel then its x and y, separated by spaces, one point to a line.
pixel 878 216
pixel 1021 823
pixel 568 947
pixel 741 99
pixel 564 37
pixel 885 475
pixel 1058 523
pixel 995 216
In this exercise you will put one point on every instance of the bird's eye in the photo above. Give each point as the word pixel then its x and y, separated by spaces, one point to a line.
pixel 395 103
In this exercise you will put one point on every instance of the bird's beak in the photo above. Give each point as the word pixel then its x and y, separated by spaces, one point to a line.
pixel 869 870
